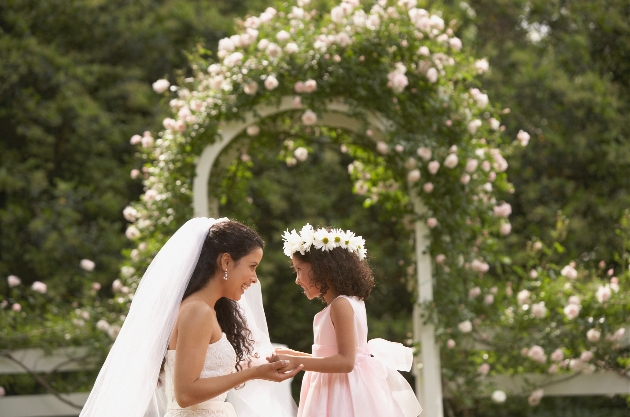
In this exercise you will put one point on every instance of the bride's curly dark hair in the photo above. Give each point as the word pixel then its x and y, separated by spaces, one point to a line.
pixel 237 240
pixel 340 269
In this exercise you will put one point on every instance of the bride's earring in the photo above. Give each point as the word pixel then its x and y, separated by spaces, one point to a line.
pixel 225 275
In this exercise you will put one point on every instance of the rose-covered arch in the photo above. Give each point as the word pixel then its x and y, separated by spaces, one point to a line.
pixel 396 78
pixel 394 74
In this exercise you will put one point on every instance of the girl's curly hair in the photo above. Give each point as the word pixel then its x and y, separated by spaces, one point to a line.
pixel 340 269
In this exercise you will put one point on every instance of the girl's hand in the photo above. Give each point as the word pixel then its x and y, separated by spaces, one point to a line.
pixel 290 362
pixel 277 371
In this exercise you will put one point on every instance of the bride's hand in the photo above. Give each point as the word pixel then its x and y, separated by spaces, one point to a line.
pixel 277 371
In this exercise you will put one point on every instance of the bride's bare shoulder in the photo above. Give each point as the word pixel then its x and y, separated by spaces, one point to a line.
pixel 192 311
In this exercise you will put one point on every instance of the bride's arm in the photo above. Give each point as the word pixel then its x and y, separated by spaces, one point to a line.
pixel 196 326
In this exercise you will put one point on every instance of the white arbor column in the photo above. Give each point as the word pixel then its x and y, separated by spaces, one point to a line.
pixel 429 376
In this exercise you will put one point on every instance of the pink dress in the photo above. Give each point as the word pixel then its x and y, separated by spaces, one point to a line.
pixel 374 388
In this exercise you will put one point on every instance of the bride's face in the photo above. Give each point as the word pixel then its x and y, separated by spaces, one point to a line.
pixel 242 274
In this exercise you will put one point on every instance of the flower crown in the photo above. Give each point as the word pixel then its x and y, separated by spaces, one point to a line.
pixel 322 239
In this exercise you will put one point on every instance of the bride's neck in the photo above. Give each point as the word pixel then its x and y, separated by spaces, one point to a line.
pixel 211 293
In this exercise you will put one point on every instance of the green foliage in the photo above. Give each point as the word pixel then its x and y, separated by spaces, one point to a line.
pixel 74 85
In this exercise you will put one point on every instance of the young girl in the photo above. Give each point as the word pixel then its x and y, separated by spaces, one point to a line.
pixel 346 375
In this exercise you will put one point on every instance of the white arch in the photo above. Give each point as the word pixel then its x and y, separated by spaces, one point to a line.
pixel 428 378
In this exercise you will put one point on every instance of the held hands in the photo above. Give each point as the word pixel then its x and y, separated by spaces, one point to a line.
pixel 277 370
pixel 289 362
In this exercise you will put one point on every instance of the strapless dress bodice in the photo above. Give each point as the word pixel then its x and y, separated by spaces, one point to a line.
pixel 220 360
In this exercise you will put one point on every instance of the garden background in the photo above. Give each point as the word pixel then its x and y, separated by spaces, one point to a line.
pixel 75 85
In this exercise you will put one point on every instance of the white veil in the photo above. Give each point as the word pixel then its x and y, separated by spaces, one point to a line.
pixel 126 384
pixel 258 398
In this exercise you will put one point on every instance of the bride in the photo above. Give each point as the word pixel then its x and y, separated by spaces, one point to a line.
pixel 190 317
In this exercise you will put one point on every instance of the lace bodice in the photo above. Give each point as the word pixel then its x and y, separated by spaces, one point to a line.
pixel 220 360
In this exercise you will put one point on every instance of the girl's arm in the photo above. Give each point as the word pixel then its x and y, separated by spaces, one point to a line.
pixel 196 326
pixel 342 316
pixel 287 351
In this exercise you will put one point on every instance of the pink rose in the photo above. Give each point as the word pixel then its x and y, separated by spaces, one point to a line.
pixel 440 258
pixel 428 187
pixel 479 266
pixel 132 232
pixel 603 293
pixel 413 176
pixel 13 281
pixel 523 137
pixel 473 125
pixel 464 179
pixel 523 297
pixel 451 161
pixel 96 286
pixel 283 36
pixel 433 167
pixel 465 326
pixel 424 153
pixel 299 87
pixel 432 75
pixel 309 118
pixel 310 86
pixel 117 285
pixel 180 126
pixel 455 43
pixel 273 50
pixel 539 310
pixel 488 299
pixel 252 130
pixel 537 353
pixel 474 292
pixel 483 369
pixel 557 355
pixel 506 228
pixel 471 165
pixel 586 356
pixel 87 264
pixel 450 343
pixel 382 148
pixel 593 335
pixel 481 66
pixel 502 210
pixel 251 88
pixel 301 154
pixel 39 287
pixel 432 222
pixel 291 48
pixel 134 173
pixel 535 397
pixel 271 82
pixel 161 86
pixel 135 139
pixel 168 123
pixel 16 307
pixel 572 311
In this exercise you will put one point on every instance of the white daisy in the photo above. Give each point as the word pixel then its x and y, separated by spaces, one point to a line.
pixel 308 236
pixel 338 237
pixel 323 240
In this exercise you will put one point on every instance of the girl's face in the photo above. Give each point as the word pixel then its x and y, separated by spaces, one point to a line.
pixel 303 279
pixel 242 274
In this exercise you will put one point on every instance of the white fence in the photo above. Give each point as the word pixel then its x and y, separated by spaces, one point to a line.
pixel 69 359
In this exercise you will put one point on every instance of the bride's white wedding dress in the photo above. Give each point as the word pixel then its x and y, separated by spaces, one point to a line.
pixel 220 360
